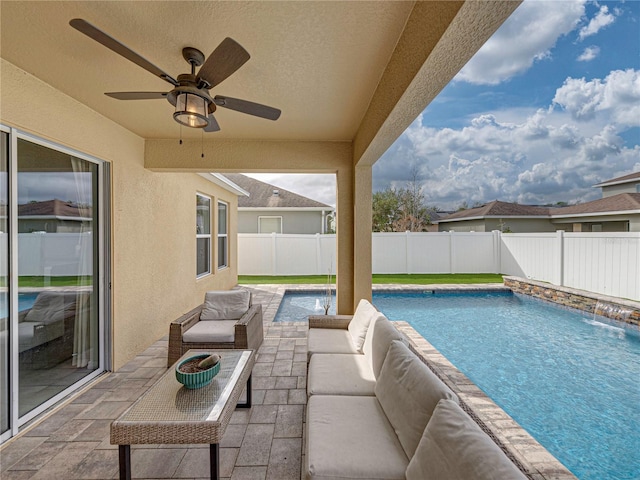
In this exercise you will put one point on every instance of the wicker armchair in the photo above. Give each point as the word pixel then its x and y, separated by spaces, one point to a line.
pixel 248 333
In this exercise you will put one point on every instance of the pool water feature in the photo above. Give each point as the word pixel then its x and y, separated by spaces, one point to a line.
pixel 569 379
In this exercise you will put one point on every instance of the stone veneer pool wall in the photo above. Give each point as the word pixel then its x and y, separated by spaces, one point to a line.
pixel 574 298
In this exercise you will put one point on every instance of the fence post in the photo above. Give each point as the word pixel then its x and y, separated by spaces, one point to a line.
pixel 407 255
pixel 452 254
pixel 497 251
pixel 274 255
pixel 318 254
pixel 560 250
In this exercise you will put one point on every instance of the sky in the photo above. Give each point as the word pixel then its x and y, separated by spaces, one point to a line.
pixel 547 108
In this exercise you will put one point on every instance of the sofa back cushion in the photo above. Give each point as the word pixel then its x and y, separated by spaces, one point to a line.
pixel 408 393
pixel 380 334
pixel 359 324
pixel 453 447
pixel 225 305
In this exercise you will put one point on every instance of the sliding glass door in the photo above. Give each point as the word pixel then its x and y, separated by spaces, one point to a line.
pixel 5 332
pixel 53 340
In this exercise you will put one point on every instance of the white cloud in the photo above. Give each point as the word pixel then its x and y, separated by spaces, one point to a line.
pixel 602 19
pixel 527 36
pixel 589 54
pixel 617 96
pixel 538 158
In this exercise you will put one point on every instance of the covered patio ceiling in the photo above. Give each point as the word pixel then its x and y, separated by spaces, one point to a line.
pixel 344 71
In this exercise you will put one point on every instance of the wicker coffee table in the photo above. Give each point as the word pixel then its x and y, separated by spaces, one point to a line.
pixel 168 413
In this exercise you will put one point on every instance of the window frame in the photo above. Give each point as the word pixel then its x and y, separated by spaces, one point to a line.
pixel 223 253
pixel 203 235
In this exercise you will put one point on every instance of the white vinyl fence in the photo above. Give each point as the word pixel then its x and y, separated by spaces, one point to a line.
pixel 51 254
pixel 607 263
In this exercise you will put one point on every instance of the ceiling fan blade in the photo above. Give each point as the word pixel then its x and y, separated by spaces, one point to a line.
pixel 99 36
pixel 245 106
pixel 213 124
pixel 137 95
pixel 228 57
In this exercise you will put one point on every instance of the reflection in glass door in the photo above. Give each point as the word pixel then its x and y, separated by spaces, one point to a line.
pixel 58 321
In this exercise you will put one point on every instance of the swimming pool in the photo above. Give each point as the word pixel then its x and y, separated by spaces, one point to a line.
pixel 570 380
pixel 25 301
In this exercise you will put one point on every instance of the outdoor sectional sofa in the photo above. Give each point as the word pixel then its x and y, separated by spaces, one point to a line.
pixel 384 414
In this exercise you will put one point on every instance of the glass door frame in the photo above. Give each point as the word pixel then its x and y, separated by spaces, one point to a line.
pixel 103 281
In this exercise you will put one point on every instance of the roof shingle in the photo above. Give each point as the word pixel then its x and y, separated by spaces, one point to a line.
pixel 262 195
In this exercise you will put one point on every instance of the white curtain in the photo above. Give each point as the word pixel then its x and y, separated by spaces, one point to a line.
pixel 84 343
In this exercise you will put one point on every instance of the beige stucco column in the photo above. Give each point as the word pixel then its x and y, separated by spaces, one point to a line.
pixel 345 241
pixel 362 257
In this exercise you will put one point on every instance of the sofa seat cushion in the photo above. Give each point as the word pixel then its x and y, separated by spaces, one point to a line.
pixel 359 324
pixel 225 305
pixel 340 374
pixel 351 438
pixel 220 331
pixel 330 340
pixel 408 392
pixel 453 447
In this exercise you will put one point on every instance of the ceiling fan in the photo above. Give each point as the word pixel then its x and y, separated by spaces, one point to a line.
pixel 194 106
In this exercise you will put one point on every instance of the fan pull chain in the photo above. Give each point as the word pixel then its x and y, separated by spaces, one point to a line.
pixel 202 143
pixel 180 134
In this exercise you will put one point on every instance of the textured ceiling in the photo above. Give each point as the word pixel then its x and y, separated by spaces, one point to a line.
pixel 319 62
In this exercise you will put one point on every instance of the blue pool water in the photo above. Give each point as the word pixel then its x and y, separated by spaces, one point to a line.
pixel 570 380
pixel 25 301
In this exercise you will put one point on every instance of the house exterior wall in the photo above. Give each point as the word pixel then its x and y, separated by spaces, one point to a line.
pixel 610 191
pixel 153 214
pixel 515 225
pixel 305 222
pixel 609 223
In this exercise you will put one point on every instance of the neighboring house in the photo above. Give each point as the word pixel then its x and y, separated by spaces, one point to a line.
pixel 271 209
pixel 498 215
pixel 625 184
pixel 54 216
pixel 617 211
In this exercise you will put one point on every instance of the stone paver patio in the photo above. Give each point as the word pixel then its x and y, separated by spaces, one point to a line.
pixel 264 442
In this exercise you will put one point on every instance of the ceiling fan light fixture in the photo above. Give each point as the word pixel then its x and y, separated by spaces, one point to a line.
pixel 191 110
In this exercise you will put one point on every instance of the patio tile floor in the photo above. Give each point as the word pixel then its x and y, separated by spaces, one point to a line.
pixel 264 442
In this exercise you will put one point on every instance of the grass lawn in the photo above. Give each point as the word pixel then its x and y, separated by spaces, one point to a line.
pixel 70 281
pixel 415 279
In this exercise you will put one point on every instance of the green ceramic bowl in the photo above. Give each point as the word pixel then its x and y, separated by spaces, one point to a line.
pixel 197 379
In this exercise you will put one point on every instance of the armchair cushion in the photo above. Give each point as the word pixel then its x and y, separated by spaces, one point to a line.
pixel 211 332
pixel 408 392
pixel 360 323
pixel 453 447
pixel 225 305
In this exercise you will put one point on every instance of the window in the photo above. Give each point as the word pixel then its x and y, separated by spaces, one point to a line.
pixel 269 224
pixel 203 235
pixel 223 238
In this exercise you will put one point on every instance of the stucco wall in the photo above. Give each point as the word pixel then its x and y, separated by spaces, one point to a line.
pixel 515 225
pixel 153 214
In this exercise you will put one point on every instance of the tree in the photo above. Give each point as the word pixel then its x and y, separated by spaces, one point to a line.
pixel 386 210
pixel 399 210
